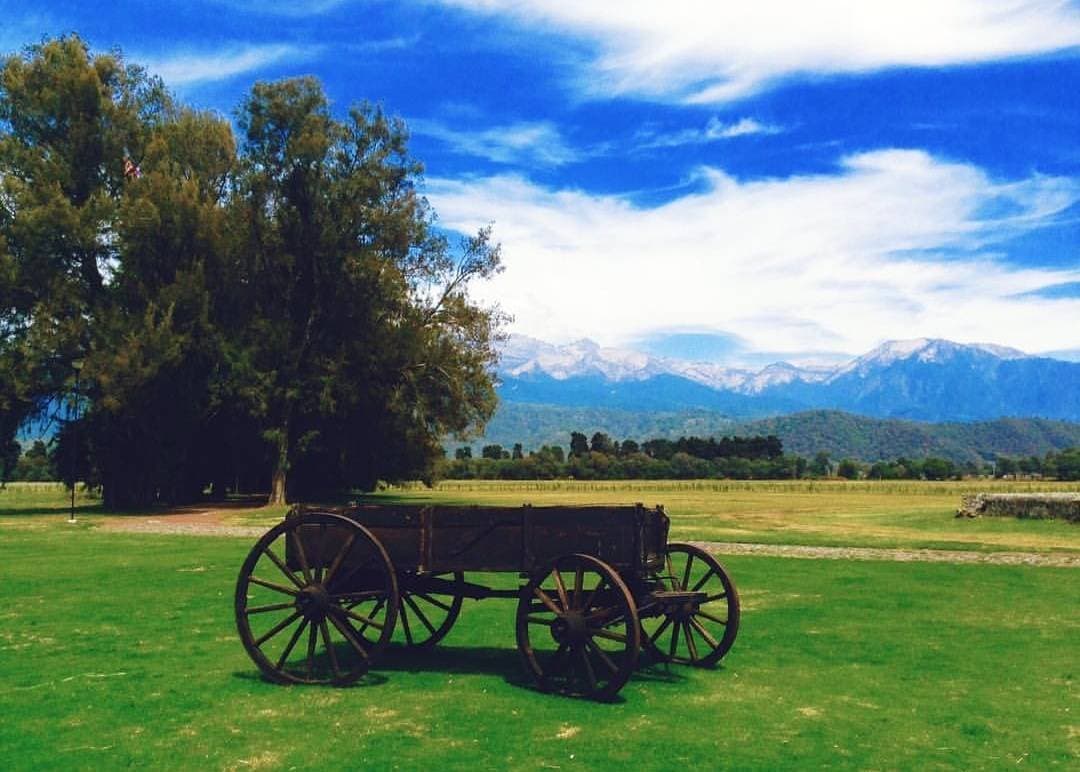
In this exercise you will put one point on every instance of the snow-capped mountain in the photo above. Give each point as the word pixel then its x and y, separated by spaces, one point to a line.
pixel 522 355
pixel 923 379
pixel 932 350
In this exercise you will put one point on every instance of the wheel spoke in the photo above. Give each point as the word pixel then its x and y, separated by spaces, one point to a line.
pixel 370 622
pixel 592 595
pixel 702 580
pixel 330 649
pixel 320 563
pixel 711 617
pixel 405 625
pixel 281 565
pixel 611 635
pixel 608 663
pixel 704 633
pixel 339 558
pixel 270 607
pixel 366 621
pixel 416 610
pixel 432 601
pixel 659 631
pixel 674 641
pixel 347 632
pixel 312 636
pixel 532 619
pixel 602 617
pixel 560 587
pixel 277 628
pixel 589 672
pixel 290 645
pixel 717 596
pixel 272 586
pixel 686 572
pixel 298 543
pixel 547 601
pixel 579 584
pixel 691 644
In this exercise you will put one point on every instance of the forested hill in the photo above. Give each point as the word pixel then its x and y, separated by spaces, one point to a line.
pixel 838 434
pixel 844 435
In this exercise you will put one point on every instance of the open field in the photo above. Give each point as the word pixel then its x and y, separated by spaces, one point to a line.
pixel 120 650
pixel 871 514
pixel 892 514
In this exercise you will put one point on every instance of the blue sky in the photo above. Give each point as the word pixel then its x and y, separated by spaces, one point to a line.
pixel 724 180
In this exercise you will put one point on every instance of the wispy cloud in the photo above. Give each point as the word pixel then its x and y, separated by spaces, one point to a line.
pixel 716 130
pixel 708 52
pixel 518 144
pixel 895 244
pixel 187 67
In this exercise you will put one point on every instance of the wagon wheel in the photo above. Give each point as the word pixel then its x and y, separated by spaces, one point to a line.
pixel 297 597
pixel 694 634
pixel 577 628
pixel 428 607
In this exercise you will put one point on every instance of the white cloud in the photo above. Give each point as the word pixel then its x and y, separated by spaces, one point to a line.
pixel 714 131
pixel 186 67
pixel 519 143
pixel 896 244
pixel 707 51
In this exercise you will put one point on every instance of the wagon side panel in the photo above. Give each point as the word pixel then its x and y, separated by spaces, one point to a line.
pixel 475 538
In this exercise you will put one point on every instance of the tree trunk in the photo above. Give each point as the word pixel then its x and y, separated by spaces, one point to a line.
pixel 281 468
pixel 277 486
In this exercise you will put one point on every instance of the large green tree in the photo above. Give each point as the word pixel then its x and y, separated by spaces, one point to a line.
pixel 359 346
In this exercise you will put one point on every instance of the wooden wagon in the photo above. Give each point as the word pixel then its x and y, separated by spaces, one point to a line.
pixel 322 594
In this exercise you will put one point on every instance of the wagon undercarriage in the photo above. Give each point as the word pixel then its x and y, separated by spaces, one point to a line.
pixel 322 594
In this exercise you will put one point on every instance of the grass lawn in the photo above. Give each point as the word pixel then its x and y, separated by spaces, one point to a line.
pixel 120 650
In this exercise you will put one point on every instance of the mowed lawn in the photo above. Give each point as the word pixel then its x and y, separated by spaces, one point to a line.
pixel 120 650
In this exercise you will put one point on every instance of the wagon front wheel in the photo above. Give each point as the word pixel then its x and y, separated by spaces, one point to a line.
pixel 694 633
pixel 316 600
pixel 577 628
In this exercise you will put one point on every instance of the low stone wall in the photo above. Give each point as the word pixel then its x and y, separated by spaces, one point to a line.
pixel 1034 506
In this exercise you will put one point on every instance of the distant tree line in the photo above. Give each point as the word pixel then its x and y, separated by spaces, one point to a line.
pixel 741 458
pixel 185 307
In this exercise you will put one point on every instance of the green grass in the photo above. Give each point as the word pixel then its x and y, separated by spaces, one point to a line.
pixel 119 650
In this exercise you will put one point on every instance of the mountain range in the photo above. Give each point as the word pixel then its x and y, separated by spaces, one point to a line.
pixel 923 380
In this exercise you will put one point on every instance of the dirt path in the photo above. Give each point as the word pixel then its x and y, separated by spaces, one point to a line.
pixel 1055 559
pixel 212 522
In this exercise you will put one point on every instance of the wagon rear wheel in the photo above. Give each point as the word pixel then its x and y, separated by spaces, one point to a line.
pixel 577 628
pixel 694 633
pixel 429 605
pixel 297 600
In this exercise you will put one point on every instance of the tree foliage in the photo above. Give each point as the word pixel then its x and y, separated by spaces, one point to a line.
pixel 280 308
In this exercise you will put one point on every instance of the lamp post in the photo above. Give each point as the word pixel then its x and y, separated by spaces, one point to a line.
pixel 74 456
